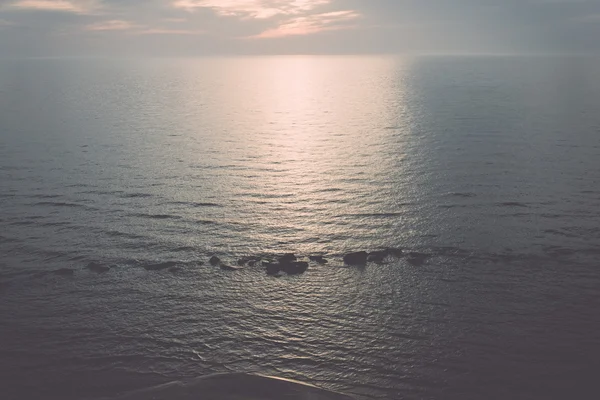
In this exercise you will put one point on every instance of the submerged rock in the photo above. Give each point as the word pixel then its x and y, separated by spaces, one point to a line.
pixel 98 268
pixel 357 258
pixel 251 261
pixel 395 252
pixel 377 256
pixel 161 266
pixel 295 268
pixel 417 262
pixel 214 261
pixel 287 258
pixel 272 268
pixel 245 260
pixel 417 259
pixel 318 259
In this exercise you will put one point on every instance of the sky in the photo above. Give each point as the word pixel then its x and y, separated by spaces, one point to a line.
pixel 206 27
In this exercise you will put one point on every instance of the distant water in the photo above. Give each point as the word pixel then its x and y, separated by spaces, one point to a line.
pixel 488 165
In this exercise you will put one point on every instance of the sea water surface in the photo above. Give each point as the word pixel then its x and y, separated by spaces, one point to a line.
pixel 490 166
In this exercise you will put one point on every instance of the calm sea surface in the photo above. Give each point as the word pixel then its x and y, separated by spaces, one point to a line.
pixel 488 165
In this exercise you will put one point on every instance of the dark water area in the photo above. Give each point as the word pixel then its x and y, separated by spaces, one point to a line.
pixel 119 179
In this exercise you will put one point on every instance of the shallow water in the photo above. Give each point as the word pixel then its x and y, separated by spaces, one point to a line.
pixel 489 165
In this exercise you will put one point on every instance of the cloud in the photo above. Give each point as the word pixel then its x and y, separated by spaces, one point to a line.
pixel 123 26
pixel 311 24
pixel 170 31
pixel 112 25
pixel 281 17
pixel 286 17
pixel 175 20
pixel 71 6
pixel 352 26
pixel 259 9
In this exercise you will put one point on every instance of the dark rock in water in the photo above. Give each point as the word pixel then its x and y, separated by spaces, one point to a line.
pixel 161 266
pixel 64 272
pixel 395 252
pixel 417 259
pixel 377 256
pixel 251 263
pixel 226 267
pixel 248 260
pixel 295 268
pixel 214 261
pixel 99 268
pixel 358 258
pixel 272 268
pixel 318 259
pixel 287 258
pixel 417 262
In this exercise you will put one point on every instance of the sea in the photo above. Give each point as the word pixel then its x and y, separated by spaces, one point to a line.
pixel 121 178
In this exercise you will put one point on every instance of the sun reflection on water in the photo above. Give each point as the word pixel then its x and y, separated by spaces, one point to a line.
pixel 313 133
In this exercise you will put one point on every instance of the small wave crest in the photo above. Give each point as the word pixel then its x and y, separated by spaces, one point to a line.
pixel 156 216
pixel 512 204
pixel 236 386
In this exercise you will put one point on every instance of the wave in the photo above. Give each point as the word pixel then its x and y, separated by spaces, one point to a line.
pixel 101 192
pixel 60 223
pixel 184 249
pixel 450 206
pixel 512 204
pixel 63 205
pixel 205 222
pixel 156 216
pixel 196 204
pixel 23 223
pixel 5 239
pixel 236 386
pixel 161 266
pixel 45 196
pixel 462 194
pixel 135 195
pixel 377 215
pixel 123 235
pixel 57 204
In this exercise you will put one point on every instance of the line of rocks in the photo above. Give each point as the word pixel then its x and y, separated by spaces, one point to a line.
pixel 379 256
pixel 286 263
pixel 289 263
